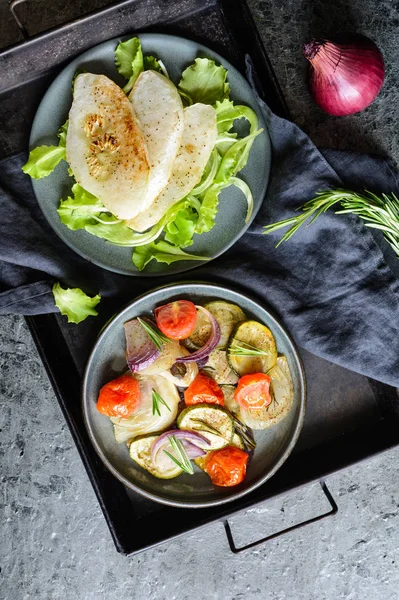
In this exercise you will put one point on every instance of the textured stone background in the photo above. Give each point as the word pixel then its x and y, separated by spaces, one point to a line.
pixel 54 540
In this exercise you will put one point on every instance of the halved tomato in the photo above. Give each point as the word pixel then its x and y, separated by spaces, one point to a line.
pixel 119 397
pixel 226 467
pixel 177 319
pixel 253 391
pixel 203 390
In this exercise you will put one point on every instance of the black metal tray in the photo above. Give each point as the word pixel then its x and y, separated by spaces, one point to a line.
pixel 349 418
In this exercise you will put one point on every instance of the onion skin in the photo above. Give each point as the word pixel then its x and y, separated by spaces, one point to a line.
pixel 345 74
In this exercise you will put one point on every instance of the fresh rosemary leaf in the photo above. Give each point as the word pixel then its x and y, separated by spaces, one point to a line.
pixel 156 336
pixel 245 349
pixel 156 401
pixel 243 431
pixel 206 427
pixel 182 459
pixel 378 212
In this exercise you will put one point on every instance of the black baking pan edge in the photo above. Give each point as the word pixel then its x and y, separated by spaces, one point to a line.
pixel 300 469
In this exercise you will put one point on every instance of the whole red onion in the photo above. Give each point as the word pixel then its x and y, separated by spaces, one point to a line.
pixel 345 73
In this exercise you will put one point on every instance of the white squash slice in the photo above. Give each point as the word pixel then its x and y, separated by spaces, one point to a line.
pixel 159 110
pixel 199 137
pixel 105 147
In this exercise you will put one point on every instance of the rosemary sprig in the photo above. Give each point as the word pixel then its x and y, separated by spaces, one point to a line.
pixel 378 212
pixel 182 459
pixel 156 401
pixel 156 336
pixel 242 431
pixel 206 427
pixel 245 349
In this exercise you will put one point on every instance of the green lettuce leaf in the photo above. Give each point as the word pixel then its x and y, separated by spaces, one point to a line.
pixel 162 252
pixel 74 303
pixel 209 209
pixel 43 160
pixel 180 231
pixel 235 158
pixel 62 133
pixel 233 161
pixel 226 114
pixel 152 64
pixel 78 211
pixel 129 61
pixel 204 82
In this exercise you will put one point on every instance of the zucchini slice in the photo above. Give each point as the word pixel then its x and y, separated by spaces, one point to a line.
pixel 282 389
pixel 226 314
pixel 213 422
pixel 252 335
pixel 140 452
pixel 219 369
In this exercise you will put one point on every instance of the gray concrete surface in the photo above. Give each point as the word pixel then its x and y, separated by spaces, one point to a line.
pixel 54 541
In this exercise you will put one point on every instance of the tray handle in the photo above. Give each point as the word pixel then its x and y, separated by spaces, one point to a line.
pixel 12 5
pixel 333 511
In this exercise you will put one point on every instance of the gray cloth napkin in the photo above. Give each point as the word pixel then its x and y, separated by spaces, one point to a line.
pixel 333 284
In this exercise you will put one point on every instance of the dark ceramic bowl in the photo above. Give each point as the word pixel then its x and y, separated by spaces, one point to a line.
pixel 107 361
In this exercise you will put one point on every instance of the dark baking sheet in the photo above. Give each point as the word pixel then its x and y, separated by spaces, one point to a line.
pixel 349 418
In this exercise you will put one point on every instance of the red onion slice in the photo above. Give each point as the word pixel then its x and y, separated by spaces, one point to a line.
pixel 210 345
pixel 189 439
pixel 140 349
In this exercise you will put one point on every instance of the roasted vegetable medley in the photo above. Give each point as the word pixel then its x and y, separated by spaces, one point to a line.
pixel 199 380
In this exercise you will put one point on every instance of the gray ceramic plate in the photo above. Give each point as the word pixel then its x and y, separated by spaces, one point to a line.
pixel 107 361
pixel 176 53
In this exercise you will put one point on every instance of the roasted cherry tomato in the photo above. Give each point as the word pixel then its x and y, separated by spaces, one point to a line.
pixel 253 391
pixel 203 389
pixel 177 319
pixel 226 467
pixel 120 397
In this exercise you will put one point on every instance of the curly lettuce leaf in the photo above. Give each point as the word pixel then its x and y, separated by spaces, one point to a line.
pixel 151 63
pixel 62 133
pixel 43 159
pixel 161 252
pixel 209 209
pixel 233 161
pixel 85 211
pixel 78 211
pixel 129 61
pixel 74 303
pixel 180 231
pixel 226 114
pixel 204 82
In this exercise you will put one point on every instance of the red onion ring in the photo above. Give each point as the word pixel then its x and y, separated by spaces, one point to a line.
pixel 211 343
pixel 140 349
pixel 189 439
